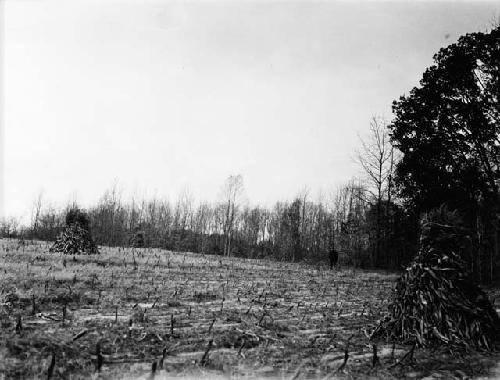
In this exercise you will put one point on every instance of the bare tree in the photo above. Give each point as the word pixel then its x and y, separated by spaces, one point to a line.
pixel 302 196
pixel 376 157
pixel 36 212
pixel 9 227
pixel 349 207
pixel 232 193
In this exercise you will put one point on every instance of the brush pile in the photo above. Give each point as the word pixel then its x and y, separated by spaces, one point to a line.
pixel 76 237
pixel 436 301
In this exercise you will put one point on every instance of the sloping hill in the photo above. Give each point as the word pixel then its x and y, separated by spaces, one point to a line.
pixel 143 306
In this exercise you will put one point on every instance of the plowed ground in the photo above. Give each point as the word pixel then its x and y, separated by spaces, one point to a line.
pixel 264 319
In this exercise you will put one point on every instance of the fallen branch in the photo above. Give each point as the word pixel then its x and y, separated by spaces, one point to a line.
pixel 204 359
pixel 80 334
pixel 409 355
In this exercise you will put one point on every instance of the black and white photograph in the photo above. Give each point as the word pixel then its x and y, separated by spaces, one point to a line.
pixel 249 189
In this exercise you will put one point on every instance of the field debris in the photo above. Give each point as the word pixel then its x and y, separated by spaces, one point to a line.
pixel 315 320
pixel 436 302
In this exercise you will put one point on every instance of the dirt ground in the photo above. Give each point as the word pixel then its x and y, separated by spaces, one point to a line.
pixel 196 316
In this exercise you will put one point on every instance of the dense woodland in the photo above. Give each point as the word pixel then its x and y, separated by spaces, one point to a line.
pixel 440 149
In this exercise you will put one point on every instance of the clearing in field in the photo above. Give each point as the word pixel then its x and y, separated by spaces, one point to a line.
pixel 144 313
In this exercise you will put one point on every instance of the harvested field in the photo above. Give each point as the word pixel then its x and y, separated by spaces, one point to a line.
pixel 143 306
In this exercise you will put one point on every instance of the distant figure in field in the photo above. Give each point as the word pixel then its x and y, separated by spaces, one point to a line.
pixel 333 255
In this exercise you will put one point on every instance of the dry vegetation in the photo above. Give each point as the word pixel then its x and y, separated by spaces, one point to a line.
pixel 128 311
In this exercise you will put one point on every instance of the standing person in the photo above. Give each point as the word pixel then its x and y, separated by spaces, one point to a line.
pixel 333 255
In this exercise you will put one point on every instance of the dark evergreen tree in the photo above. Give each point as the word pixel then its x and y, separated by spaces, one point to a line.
pixel 448 130
pixel 77 216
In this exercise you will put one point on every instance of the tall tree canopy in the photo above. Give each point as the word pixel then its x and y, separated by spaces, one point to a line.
pixel 448 130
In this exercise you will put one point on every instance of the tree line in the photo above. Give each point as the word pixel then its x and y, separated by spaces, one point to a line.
pixel 296 230
pixel 440 149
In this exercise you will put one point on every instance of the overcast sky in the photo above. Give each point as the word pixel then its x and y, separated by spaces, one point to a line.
pixel 163 96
